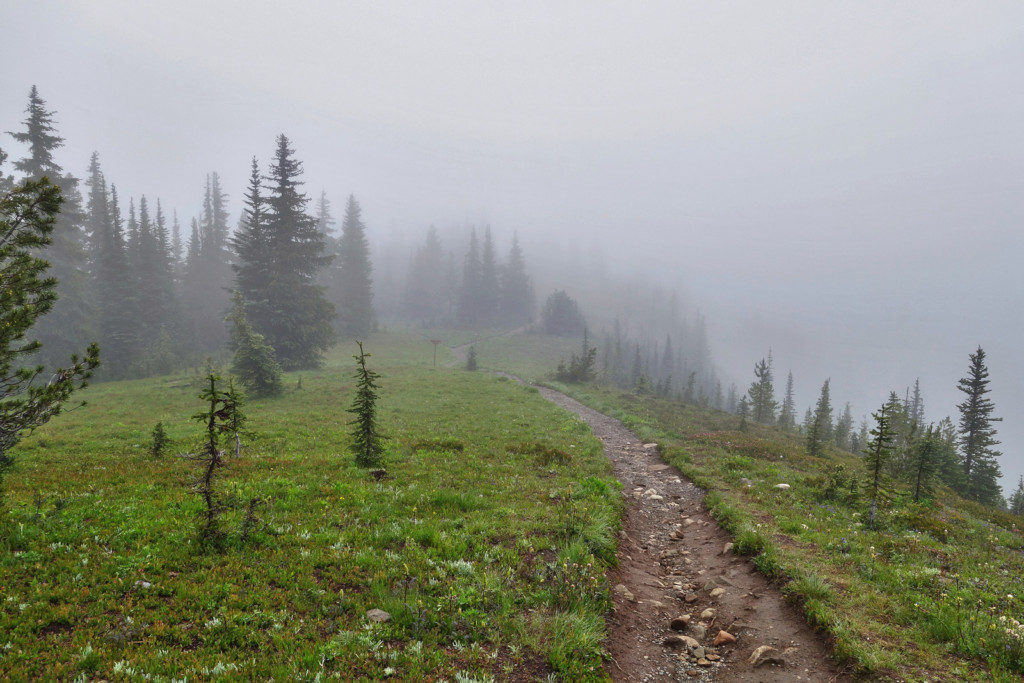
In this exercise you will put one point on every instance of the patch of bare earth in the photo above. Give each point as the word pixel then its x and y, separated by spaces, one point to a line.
pixel 675 567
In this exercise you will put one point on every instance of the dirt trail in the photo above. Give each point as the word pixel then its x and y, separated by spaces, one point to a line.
pixel 671 558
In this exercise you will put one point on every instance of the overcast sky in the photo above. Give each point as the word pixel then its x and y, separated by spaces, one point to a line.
pixel 841 182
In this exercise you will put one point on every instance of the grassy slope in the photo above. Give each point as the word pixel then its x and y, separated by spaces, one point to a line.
pixel 921 598
pixel 481 545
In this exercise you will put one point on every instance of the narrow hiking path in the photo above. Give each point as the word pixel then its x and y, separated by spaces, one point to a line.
pixel 675 569
pixel 674 565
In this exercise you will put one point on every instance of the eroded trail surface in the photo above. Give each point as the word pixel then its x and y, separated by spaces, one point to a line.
pixel 674 566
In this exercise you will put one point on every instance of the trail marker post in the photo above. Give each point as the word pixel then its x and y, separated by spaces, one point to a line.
pixel 435 342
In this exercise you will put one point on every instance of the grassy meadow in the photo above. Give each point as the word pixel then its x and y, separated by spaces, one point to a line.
pixel 935 593
pixel 486 543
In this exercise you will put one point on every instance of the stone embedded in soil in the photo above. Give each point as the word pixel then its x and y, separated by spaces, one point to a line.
pixel 680 623
pixel 703 662
pixel 693 673
pixel 727 548
pixel 724 638
pixel 717 593
pixel 699 652
pixel 649 446
pixel 688 521
pixel 625 592
pixel 699 631
pixel 378 616
pixel 708 614
pixel 690 597
pixel 765 654
pixel 713 657
pixel 782 487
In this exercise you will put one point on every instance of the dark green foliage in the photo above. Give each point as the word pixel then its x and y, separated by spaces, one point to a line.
pixel 819 430
pixel 472 308
pixel 561 316
pixel 878 452
pixel 977 434
pixel 158 446
pixel 743 410
pixel 843 428
pixel 471 359
pixel 517 298
pixel 762 393
pixel 366 437
pixel 1016 499
pixel 353 291
pixel 28 397
pixel 581 367
pixel 234 426
pixel 841 486
pixel 254 362
pixel 926 457
pixel 787 416
pixel 280 254
pixel 221 418
pixel 67 327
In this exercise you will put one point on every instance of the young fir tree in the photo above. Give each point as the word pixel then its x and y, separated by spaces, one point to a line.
pixel 366 437
pixel 234 425
pixel 207 273
pixel 977 433
pixel 354 288
pixel 517 299
pixel 68 325
pixel 743 410
pixel 280 252
pixel 787 416
pixel 1017 498
pixel 762 393
pixel 471 363
pixel 158 446
pixel 819 431
pixel 561 317
pixel 254 362
pixel 215 419
pixel 28 397
pixel 876 455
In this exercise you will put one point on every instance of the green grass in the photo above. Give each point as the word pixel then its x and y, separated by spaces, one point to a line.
pixel 930 595
pixel 489 556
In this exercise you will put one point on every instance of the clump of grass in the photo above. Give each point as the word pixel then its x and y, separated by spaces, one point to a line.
pixel 452 445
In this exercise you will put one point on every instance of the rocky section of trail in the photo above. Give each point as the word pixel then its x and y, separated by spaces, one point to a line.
pixel 685 606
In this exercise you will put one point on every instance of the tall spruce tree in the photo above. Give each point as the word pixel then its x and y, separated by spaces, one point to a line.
pixel 208 269
pixel 354 273
pixel 280 253
pixel 517 298
pixel 425 299
pixel 471 302
pixel 67 326
pixel 819 431
pixel 977 433
pixel 787 416
pixel 490 287
pixel 762 393
pixel 1016 500
pixel 843 428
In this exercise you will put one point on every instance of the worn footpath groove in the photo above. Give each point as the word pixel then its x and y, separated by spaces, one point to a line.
pixel 674 567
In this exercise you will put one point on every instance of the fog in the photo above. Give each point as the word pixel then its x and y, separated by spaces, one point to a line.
pixel 840 183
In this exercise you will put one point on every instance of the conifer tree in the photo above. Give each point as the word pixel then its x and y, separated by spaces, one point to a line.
pixel 925 460
pixel 366 437
pixel 977 433
pixel 280 254
pixel 254 363
pixel 208 269
pixel 28 397
pixel 787 417
pixel 561 317
pixel 819 430
pixel 1017 498
pixel 876 455
pixel 425 298
pixel 111 289
pixel 762 393
pixel 471 363
pixel 354 302
pixel 843 428
pixel 517 298
pixel 490 287
pixel 471 304
pixel 67 327
pixel 215 418
pixel 743 410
